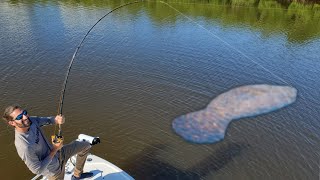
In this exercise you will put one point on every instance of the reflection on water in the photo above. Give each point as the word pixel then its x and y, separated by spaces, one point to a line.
pixel 146 64
pixel 300 22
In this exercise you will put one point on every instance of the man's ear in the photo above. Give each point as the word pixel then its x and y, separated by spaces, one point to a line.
pixel 12 123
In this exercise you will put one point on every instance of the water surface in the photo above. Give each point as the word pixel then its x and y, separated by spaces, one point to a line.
pixel 148 63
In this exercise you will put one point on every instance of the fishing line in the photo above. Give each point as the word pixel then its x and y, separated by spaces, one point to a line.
pixel 236 6
pixel 64 85
pixel 237 50
pixel 228 44
pixel 62 95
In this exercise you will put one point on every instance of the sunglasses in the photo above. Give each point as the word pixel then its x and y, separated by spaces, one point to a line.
pixel 19 117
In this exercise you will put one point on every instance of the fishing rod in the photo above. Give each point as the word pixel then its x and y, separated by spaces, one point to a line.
pixel 57 137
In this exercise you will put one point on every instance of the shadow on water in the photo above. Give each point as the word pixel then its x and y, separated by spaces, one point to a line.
pixel 146 166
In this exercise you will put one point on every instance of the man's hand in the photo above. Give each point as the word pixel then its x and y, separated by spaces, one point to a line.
pixel 59 119
pixel 56 147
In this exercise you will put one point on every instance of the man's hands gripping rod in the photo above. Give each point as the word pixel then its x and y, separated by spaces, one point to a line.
pixel 57 140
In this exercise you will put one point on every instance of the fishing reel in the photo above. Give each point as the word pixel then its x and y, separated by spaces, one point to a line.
pixel 57 139
pixel 92 140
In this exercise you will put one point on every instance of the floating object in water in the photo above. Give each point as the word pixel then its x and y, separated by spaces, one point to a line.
pixel 210 124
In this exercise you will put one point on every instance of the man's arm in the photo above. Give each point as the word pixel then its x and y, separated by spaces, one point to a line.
pixel 44 121
pixel 35 165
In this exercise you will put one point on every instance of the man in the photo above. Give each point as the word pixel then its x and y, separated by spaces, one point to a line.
pixel 40 156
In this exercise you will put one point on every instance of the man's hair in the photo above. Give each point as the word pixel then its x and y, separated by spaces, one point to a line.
pixel 6 115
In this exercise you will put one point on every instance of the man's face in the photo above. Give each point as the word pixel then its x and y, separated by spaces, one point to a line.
pixel 24 122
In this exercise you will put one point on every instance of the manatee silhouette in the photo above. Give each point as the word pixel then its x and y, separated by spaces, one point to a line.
pixel 210 124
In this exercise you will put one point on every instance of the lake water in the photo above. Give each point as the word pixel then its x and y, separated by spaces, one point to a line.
pixel 150 62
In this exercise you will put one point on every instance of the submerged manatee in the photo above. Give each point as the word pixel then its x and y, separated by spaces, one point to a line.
pixel 210 124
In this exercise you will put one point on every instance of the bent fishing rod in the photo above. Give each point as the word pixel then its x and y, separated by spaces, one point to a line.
pixel 57 137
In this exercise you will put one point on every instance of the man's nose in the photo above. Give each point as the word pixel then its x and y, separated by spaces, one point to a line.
pixel 24 117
